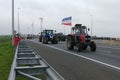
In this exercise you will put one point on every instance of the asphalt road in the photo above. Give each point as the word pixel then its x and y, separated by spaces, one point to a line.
pixel 100 65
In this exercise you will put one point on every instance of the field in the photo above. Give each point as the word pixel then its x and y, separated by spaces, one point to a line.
pixel 111 42
pixel 6 56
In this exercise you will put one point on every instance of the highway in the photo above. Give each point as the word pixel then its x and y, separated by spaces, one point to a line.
pixel 86 65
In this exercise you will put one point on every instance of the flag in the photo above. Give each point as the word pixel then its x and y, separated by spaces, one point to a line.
pixel 67 21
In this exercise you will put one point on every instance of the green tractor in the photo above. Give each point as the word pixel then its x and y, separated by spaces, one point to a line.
pixel 61 37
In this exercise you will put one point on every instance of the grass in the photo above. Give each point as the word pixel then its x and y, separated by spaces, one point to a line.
pixel 4 39
pixel 19 77
pixel 6 57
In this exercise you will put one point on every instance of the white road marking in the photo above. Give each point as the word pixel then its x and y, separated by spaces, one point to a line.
pixel 106 64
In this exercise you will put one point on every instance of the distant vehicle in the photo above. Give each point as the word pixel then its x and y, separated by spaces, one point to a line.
pixel 79 39
pixel 61 37
pixel 48 35
pixel 29 36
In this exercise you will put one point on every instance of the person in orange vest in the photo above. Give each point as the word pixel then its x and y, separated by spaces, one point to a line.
pixel 16 40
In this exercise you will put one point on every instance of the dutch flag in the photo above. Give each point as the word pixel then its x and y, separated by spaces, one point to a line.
pixel 67 21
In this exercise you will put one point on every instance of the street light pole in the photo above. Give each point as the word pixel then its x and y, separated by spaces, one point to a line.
pixel 91 25
pixel 12 22
pixel 33 28
pixel 18 22
pixel 41 22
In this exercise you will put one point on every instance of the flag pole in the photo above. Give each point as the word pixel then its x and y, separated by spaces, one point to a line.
pixel 66 21
pixel 64 30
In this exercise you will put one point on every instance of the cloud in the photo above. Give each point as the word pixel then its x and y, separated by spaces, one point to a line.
pixel 105 13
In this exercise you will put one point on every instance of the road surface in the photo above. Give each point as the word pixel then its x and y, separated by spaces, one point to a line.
pixel 100 65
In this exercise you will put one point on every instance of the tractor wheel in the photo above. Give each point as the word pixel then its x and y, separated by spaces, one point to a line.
pixel 46 40
pixel 70 43
pixel 93 46
pixel 40 39
pixel 43 40
pixel 56 40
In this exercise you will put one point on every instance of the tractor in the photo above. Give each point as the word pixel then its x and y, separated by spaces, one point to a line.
pixel 48 35
pixel 61 37
pixel 79 39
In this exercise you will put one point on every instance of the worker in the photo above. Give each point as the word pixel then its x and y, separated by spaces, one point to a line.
pixel 16 40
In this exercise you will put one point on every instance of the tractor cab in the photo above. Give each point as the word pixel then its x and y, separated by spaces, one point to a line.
pixel 48 32
pixel 78 29
pixel 80 33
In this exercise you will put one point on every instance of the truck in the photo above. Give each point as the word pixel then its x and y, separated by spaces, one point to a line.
pixel 79 39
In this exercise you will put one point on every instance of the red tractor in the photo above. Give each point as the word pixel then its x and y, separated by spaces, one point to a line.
pixel 79 39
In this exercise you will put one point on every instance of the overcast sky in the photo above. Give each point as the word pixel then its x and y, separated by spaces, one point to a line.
pixel 106 15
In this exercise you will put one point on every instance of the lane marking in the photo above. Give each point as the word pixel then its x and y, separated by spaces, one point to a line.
pixel 106 64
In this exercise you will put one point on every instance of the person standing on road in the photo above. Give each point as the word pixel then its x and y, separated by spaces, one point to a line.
pixel 16 40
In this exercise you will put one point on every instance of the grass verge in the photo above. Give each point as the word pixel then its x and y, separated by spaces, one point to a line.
pixel 6 58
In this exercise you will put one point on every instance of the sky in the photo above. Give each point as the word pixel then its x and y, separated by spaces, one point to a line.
pixel 103 14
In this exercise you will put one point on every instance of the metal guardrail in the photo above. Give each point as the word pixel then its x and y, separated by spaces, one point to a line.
pixel 28 64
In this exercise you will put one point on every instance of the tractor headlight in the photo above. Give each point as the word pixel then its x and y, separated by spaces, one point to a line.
pixel 87 38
